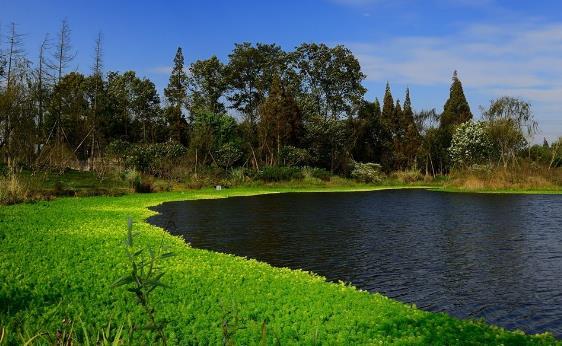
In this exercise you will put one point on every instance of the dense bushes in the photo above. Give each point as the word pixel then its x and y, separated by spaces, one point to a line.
pixel 157 159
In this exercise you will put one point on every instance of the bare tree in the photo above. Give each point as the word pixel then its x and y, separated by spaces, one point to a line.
pixel 63 56
pixel 14 60
pixel 44 75
pixel 97 74
pixel 2 57
pixel 14 54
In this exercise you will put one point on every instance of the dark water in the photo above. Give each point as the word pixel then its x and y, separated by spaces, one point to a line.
pixel 498 257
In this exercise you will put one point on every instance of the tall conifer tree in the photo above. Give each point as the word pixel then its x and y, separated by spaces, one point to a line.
pixel 412 138
pixel 387 114
pixel 377 108
pixel 456 110
pixel 176 95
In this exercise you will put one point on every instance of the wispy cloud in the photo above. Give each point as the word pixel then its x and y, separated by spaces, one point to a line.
pixel 466 3
pixel 355 2
pixel 160 70
pixel 523 59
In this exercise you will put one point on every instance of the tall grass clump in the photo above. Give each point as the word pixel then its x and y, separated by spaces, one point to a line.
pixel 13 190
pixel 525 176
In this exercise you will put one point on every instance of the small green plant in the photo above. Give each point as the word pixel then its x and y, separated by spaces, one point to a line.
pixel 229 326
pixel 66 335
pixel 106 337
pixel 145 276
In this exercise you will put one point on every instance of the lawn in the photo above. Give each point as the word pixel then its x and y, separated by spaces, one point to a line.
pixel 58 260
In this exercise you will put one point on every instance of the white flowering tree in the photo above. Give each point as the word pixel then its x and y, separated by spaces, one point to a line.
pixel 471 144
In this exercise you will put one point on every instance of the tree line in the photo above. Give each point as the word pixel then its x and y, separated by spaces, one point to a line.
pixel 263 107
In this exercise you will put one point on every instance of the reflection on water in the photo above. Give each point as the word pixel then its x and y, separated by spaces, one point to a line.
pixel 498 257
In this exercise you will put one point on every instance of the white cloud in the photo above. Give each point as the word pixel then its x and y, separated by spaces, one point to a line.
pixel 161 70
pixel 521 60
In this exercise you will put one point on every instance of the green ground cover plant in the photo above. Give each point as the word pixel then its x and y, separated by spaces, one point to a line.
pixel 60 258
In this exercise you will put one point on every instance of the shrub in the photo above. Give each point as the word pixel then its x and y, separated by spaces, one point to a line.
pixel 410 176
pixel 317 173
pixel 278 173
pixel 367 172
pixel 157 159
pixel 239 175
pixel 118 149
pixel 62 189
pixel 227 155
pixel 291 156
pixel 137 183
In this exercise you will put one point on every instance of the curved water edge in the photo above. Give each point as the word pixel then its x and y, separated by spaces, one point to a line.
pixel 497 257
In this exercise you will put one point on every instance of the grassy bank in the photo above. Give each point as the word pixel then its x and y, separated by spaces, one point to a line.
pixel 58 260
pixel 26 187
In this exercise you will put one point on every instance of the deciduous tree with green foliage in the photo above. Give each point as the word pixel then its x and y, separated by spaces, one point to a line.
pixel 207 85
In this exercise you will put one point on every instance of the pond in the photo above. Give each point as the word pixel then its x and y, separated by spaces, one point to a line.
pixel 497 257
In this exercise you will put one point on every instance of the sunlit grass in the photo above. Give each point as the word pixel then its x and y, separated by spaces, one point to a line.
pixel 58 260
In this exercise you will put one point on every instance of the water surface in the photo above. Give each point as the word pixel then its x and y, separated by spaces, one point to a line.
pixel 497 257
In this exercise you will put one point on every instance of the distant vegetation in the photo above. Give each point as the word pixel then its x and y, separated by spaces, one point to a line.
pixel 264 108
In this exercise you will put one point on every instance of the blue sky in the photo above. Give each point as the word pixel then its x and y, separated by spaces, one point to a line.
pixel 498 47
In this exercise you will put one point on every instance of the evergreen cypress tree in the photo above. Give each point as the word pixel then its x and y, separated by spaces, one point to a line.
pixel 412 138
pixel 407 116
pixel 408 113
pixel 176 95
pixel 387 127
pixel 456 110
pixel 397 130
pixel 377 108
pixel 387 114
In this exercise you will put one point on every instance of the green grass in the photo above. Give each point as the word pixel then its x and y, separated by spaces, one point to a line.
pixel 58 260
pixel 75 181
